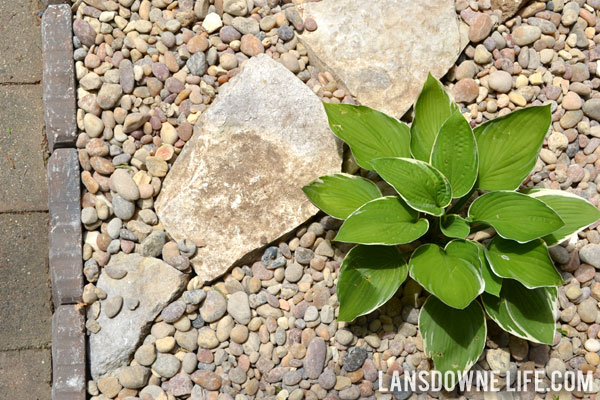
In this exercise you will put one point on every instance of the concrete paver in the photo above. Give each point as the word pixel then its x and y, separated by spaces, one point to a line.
pixel 25 296
pixel 20 41
pixel 22 149
pixel 25 313
pixel 25 374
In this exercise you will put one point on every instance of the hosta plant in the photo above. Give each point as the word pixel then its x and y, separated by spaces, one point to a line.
pixel 425 230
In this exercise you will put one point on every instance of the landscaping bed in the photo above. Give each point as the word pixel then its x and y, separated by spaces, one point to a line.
pixel 173 97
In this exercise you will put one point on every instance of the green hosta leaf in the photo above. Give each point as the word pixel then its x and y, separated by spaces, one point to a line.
pixel 529 263
pixel 369 276
pixel 340 195
pixel 423 187
pixel 576 212
pixel 526 313
pixel 454 226
pixel 369 133
pixel 432 109
pixel 508 147
pixel 453 338
pixel 387 220
pixel 493 283
pixel 496 307
pixel 515 215
pixel 455 154
pixel 445 274
pixel 465 249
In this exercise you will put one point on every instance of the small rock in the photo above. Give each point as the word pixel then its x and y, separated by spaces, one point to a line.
pixel 465 91
pixel 207 339
pixel 152 245
pixel 109 386
pixel 285 33
pixel 239 334
pixel 327 379
pixel 498 360
pixel 555 368
pixel 310 24
pixel 212 22
pixel 526 34
pixel 592 345
pixel 590 254
pixel 84 32
pixel 311 314
pixel 109 95
pixel 251 45
pixel 591 108
pixel 588 310
pixel 197 64
pixel 214 306
pixel 145 355
pixel 112 306
pixel 93 125
pixel 207 379
pixel 173 311
pixel 344 337
pixel 124 185
pixel 239 308
pixel 480 27
pixel 315 358
pixel 354 358
pixel 134 121
pixel 179 385
pixel 166 365
pixel 500 81
pixel 122 208
pixel 134 377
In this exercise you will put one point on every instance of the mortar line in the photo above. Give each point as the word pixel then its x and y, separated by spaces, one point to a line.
pixel 21 83
pixel 47 346
pixel 24 212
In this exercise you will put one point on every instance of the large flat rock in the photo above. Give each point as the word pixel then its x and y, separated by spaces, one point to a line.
pixel 236 185
pixel 508 7
pixel 382 50
pixel 154 284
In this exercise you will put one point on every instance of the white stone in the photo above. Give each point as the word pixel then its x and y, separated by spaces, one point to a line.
pixel 150 281
pixel 592 345
pixel 212 22
pixel 236 185
pixel 377 51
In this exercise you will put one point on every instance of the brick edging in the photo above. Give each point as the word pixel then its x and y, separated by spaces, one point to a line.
pixel 64 207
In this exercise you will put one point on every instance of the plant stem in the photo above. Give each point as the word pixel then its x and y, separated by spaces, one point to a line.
pixel 460 203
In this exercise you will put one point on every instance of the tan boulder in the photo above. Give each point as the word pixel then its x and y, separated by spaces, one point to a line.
pixel 236 186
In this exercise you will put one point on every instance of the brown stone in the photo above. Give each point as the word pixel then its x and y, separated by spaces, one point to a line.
pixel 585 273
pixel 465 91
pixel 480 28
pixel 251 46
pixel 197 43
pixel 102 165
pixel 207 379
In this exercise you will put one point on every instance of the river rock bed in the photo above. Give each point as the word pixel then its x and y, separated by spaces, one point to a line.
pixel 147 70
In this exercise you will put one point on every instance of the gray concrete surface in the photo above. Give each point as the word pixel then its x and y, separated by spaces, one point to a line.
pixel 25 306
pixel 20 41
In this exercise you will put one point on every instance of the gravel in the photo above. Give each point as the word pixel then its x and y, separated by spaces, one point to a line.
pixel 269 327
